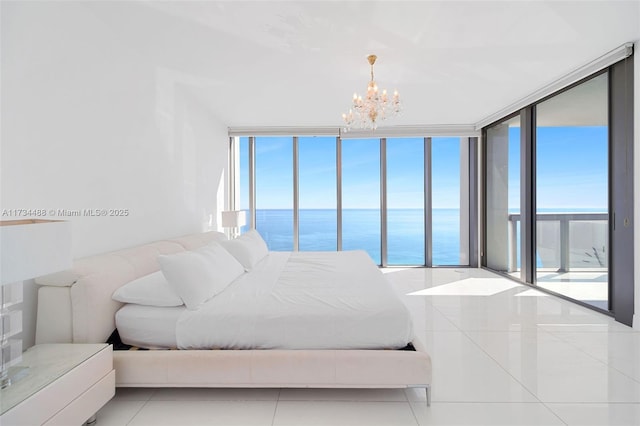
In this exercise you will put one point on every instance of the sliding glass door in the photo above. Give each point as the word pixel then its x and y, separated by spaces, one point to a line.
pixel 558 193
pixel 572 194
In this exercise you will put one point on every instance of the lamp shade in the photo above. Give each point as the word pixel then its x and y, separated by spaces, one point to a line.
pixel 31 248
pixel 234 219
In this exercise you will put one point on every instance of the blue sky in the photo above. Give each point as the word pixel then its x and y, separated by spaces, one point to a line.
pixel 572 165
pixel 571 171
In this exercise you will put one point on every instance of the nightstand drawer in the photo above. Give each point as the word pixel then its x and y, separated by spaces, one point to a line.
pixel 69 397
pixel 83 407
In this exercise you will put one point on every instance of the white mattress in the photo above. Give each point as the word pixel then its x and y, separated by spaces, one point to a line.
pixel 301 300
pixel 149 327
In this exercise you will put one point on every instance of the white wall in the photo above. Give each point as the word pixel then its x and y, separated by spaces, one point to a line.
pixel 636 196
pixel 90 122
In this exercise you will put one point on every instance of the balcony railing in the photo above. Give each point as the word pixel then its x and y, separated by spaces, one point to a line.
pixel 561 248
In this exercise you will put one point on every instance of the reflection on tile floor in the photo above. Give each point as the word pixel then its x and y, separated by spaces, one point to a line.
pixel 503 354
pixel 588 286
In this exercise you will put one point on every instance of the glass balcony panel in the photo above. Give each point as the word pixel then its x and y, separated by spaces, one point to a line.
pixel 548 242
pixel 588 244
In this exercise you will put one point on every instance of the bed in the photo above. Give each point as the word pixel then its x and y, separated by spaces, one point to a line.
pixel 76 306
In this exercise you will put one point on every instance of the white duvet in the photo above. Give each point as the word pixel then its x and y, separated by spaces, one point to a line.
pixel 301 300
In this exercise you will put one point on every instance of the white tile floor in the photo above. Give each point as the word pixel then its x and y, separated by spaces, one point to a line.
pixel 503 354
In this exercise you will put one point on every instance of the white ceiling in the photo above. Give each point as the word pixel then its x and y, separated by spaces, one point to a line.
pixel 267 63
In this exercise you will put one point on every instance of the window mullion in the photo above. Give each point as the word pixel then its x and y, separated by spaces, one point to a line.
pixel 339 193
pixel 296 196
pixel 383 202
pixel 252 181
pixel 428 214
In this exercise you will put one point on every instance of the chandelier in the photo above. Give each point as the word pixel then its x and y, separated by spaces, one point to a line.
pixel 365 113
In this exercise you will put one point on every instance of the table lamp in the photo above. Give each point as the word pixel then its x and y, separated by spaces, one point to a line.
pixel 234 219
pixel 29 248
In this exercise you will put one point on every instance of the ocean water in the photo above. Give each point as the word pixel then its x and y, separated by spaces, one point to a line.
pixel 361 230
pixel 405 234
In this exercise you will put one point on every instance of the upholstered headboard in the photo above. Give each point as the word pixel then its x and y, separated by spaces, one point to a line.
pixel 75 306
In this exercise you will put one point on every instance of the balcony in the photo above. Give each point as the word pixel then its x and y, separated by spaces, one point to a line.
pixel 571 254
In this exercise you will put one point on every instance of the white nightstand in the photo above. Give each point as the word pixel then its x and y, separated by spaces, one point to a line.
pixel 66 384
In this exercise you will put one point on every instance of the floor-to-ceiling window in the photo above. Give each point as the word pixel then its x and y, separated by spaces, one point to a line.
pixel 572 196
pixel 448 225
pixel 274 191
pixel 317 193
pixel 405 201
pixel 325 193
pixel 361 196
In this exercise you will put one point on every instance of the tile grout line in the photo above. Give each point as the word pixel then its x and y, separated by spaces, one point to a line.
pixel 411 407
pixel 137 412
pixel 561 340
pixel 275 409
pixel 146 401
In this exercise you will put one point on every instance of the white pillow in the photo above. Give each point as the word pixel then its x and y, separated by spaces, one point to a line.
pixel 150 290
pixel 196 276
pixel 249 248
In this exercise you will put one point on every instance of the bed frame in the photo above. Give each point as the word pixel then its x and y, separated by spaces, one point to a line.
pixel 75 306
